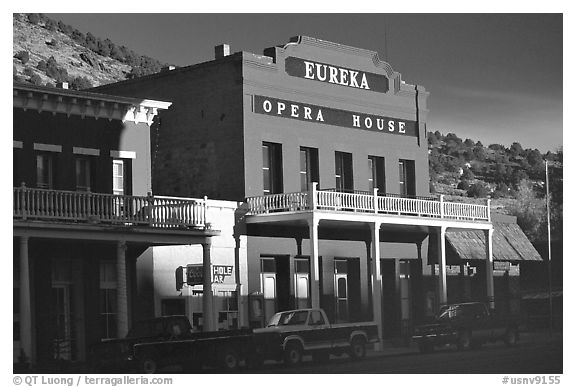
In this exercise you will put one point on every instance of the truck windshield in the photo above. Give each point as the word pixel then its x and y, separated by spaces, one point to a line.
pixel 288 318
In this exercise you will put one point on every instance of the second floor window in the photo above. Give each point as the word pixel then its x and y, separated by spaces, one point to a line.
pixel 376 175
pixel 271 168
pixel 45 171
pixel 118 177
pixel 308 167
pixel 407 177
pixel 343 171
pixel 83 175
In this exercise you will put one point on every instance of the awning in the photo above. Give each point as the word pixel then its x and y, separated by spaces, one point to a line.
pixel 509 243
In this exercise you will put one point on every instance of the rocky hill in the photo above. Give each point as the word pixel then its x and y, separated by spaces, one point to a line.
pixel 46 52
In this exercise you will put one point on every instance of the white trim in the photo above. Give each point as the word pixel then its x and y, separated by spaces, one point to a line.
pixel 17 144
pixel 48 147
pixel 85 151
pixel 123 154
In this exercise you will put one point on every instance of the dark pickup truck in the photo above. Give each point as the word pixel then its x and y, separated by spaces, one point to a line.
pixel 291 334
pixel 166 341
pixel 466 325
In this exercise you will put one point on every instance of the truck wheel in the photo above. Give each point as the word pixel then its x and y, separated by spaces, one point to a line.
pixel 229 359
pixel 511 337
pixel 358 348
pixel 293 354
pixel 149 366
pixel 464 340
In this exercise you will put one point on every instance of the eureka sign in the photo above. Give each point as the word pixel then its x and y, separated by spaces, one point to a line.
pixel 336 117
pixel 323 72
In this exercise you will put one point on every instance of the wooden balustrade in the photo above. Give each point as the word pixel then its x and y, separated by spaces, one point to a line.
pixel 88 207
pixel 366 203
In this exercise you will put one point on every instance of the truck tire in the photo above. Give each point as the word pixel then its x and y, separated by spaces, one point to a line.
pixel 511 337
pixel 464 340
pixel 293 354
pixel 357 348
pixel 229 359
pixel 149 366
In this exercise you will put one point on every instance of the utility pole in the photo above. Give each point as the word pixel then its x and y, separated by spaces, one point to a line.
pixel 549 251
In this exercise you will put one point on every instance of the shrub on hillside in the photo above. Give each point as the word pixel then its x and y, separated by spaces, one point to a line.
pixel 477 191
pixel 36 80
pixel 80 83
pixel 33 18
pixel 23 56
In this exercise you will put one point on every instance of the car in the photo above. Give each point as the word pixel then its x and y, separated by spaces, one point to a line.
pixel 466 325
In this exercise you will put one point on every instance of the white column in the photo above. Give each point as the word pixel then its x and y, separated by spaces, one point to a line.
pixel 314 264
pixel 25 302
pixel 489 268
pixel 207 296
pixel 442 291
pixel 376 281
pixel 122 290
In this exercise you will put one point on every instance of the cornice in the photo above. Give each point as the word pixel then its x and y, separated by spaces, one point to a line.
pixel 84 104
pixel 308 41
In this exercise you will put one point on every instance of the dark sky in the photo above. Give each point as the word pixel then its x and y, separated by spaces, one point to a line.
pixel 496 78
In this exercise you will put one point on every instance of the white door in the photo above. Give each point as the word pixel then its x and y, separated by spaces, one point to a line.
pixel 269 291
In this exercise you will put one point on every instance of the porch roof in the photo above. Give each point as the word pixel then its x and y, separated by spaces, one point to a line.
pixel 509 243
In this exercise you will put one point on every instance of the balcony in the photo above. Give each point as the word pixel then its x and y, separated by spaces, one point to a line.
pixel 117 210
pixel 367 203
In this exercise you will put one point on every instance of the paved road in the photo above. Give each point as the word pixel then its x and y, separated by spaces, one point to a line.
pixel 542 356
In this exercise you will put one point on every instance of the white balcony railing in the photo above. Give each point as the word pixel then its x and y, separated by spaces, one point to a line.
pixel 88 207
pixel 366 203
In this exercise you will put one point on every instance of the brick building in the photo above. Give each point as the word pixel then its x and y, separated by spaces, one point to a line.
pixel 326 146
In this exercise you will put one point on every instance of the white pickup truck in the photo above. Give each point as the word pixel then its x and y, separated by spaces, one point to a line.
pixel 291 334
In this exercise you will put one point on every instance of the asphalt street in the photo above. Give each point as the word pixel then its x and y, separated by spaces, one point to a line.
pixel 542 355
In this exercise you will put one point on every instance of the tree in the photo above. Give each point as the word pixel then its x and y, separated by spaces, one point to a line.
pixel 469 143
pixel 501 190
pixel 80 83
pixel 477 190
pixel 516 149
pixel 463 185
pixel 23 56
pixel 33 18
pixel 479 153
pixel 36 80
pixel 50 25
pixel 530 212
pixel 467 174
pixel 497 147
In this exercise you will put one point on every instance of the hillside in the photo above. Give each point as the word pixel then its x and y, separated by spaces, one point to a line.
pixel 46 52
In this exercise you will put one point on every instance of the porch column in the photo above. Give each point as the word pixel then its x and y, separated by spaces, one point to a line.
pixel 122 290
pixel 489 268
pixel 25 302
pixel 314 264
pixel 376 281
pixel 442 291
pixel 207 297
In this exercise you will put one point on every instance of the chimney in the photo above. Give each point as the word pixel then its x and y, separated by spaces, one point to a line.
pixel 221 51
pixel 62 85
